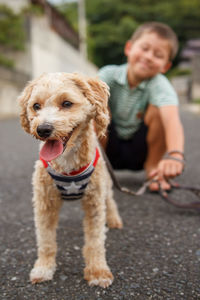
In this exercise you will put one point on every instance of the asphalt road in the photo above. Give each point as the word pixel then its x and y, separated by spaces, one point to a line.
pixel 155 256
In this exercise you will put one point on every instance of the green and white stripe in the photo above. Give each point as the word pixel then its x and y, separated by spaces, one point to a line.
pixel 128 105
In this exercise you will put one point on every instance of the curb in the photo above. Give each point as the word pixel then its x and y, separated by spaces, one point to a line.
pixel 194 108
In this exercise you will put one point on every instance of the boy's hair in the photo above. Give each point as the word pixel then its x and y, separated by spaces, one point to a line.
pixel 163 31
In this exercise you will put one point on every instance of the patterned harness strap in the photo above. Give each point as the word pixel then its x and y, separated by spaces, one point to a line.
pixel 72 186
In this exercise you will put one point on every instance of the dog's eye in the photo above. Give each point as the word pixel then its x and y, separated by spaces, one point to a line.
pixel 36 106
pixel 67 104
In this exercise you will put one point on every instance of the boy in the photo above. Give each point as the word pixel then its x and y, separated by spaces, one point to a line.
pixel 144 107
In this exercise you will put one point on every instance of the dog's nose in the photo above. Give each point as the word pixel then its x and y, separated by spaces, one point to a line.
pixel 45 130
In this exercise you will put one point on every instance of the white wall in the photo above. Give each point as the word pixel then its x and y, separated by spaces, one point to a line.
pixel 47 52
pixel 50 53
pixel 15 5
pixel 8 95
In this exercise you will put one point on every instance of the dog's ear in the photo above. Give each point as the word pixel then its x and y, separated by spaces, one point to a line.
pixel 97 92
pixel 99 97
pixel 23 100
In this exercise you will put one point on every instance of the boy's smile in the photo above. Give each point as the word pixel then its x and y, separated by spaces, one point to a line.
pixel 147 56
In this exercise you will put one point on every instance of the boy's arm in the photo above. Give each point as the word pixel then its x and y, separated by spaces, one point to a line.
pixel 173 128
pixel 174 138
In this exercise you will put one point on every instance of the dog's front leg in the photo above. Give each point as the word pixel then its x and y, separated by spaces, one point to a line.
pixel 46 210
pixel 96 271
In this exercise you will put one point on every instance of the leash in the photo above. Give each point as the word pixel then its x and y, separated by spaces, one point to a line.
pixel 139 192
pixel 163 193
pixel 174 185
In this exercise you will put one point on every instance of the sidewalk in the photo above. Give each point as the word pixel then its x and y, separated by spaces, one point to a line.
pixel 155 256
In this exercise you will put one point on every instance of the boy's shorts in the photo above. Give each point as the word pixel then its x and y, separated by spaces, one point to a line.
pixel 127 154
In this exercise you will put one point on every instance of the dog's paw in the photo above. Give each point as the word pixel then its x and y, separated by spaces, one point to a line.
pixel 115 222
pixel 41 273
pixel 100 277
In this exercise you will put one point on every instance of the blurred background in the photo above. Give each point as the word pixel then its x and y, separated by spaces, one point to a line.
pixel 39 36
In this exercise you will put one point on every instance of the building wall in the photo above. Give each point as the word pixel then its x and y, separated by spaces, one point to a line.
pixel 50 53
pixel 11 85
pixel 15 5
pixel 45 51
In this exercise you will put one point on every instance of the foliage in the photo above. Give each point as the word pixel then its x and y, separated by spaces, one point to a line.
pixel 196 101
pixel 112 22
pixel 178 72
pixel 12 33
pixel 6 62
pixel 33 9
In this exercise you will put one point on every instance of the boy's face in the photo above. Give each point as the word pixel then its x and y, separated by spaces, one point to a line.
pixel 147 56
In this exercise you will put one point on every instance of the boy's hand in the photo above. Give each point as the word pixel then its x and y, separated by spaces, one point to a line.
pixel 166 169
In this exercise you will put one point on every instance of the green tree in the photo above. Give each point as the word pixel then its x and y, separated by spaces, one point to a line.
pixel 112 22
pixel 12 34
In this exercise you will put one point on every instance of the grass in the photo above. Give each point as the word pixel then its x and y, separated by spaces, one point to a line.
pixel 6 62
pixel 196 101
pixel 178 72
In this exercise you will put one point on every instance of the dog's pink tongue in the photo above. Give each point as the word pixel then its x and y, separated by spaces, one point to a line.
pixel 51 150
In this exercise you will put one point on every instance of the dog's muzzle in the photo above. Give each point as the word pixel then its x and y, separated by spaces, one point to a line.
pixel 45 130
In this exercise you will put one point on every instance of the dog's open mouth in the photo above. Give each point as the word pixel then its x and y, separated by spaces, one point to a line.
pixel 53 148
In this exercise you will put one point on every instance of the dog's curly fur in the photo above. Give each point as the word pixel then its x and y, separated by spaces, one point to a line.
pixel 89 104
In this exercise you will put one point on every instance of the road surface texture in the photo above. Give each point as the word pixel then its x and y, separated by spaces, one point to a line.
pixel 155 256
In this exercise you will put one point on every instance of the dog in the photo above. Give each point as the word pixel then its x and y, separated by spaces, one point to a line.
pixel 68 113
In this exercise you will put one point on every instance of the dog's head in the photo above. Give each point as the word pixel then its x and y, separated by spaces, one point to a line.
pixel 55 105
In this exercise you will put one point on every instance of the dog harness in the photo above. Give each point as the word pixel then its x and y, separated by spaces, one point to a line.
pixel 72 186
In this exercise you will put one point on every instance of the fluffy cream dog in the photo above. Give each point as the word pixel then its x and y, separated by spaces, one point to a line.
pixel 60 110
